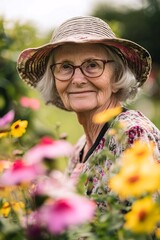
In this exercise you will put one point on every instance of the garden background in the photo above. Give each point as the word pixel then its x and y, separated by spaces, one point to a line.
pixel 46 124
pixel 138 24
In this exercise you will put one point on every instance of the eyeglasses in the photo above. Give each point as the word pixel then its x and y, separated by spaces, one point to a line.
pixel 91 68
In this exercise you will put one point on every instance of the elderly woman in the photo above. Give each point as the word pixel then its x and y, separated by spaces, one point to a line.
pixel 87 69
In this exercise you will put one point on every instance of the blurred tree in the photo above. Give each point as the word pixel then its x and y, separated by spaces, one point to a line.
pixel 139 25
pixel 14 37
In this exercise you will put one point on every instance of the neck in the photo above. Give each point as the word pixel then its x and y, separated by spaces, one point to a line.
pixel 91 129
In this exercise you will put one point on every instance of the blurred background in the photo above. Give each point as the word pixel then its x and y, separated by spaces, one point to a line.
pixel 25 24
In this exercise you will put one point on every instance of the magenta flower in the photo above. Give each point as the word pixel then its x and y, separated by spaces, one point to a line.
pixel 48 148
pixel 32 103
pixel 7 118
pixel 65 213
pixel 18 173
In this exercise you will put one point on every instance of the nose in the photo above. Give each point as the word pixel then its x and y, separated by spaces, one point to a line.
pixel 78 77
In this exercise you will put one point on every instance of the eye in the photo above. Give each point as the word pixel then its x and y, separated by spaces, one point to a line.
pixel 92 66
pixel 65 67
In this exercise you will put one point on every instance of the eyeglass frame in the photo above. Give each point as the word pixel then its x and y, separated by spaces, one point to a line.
pixel 74 67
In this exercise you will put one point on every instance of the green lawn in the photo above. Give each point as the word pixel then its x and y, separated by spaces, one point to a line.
pixel 52 118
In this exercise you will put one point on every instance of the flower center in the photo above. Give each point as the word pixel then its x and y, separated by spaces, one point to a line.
pixel 142 215
pixel 133 179
pixel 17 126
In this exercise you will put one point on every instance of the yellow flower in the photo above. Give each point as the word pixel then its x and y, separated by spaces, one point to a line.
pixel 4 134
pixel 18 128
pixel 17 206
pixel 7 207
pixel 6 192
pixel 106 115
pixel 134 180
pixel 138 174
pixel 112 132
pixel 140 152
pixel 1 167
pixel 143 217
pixel 4 164
pixel 5 210
pixel 157 233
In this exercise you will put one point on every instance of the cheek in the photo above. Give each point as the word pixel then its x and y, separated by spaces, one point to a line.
pixel 105 90
pixel 104 95
pixel 61 87
pixel 106 85
pixel 62 91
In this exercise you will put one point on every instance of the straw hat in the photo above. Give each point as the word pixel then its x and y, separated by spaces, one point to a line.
pixel 32 62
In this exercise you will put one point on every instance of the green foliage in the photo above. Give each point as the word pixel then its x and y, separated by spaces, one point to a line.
pixel 14 37
pixel 139 25
pixel 10 88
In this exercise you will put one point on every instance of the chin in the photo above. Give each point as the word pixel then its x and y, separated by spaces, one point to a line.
pixel 82 109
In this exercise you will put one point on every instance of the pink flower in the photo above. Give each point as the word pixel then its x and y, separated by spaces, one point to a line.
pixel 56 185
pixel 18 173
pixel 64 213
pixel 32 103
pixel 48 148
pixel 7 118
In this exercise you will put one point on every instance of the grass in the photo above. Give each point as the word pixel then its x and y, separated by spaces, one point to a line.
pixel 54 119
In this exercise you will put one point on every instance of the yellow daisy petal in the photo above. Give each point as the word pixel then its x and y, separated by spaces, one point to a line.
pixel 4 134
pixel 143 217
pixel 18 128
pixel 5 209
pixel 140 153
pixel 106 115
pixel 134 180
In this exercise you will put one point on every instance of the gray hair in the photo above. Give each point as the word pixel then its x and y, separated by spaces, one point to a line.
pixel 47 88
pixel 124 85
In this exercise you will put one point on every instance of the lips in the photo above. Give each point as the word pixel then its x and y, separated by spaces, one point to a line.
pixel 81 92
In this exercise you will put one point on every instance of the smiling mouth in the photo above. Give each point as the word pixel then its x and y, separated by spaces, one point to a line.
pixel 82 92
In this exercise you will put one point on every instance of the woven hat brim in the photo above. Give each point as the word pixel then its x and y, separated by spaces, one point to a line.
pixel 31 64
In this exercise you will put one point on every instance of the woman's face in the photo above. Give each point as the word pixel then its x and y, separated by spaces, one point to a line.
pixel 81 93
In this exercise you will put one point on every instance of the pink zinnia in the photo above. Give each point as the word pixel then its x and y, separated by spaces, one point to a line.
pixel 66 212
pixel 7 118
pixel 48 148
pixel 18 173
pixel 32 103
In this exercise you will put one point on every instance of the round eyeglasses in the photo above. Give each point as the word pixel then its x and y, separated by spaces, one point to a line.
pixel 91 68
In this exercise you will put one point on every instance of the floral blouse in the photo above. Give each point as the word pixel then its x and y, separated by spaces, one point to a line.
pixel 135 126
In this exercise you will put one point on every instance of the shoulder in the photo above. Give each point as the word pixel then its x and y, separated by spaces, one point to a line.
pixel 134 125
pixel 137 126
pixel 133 118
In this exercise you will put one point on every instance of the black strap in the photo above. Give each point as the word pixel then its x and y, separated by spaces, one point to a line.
pixel 98 139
